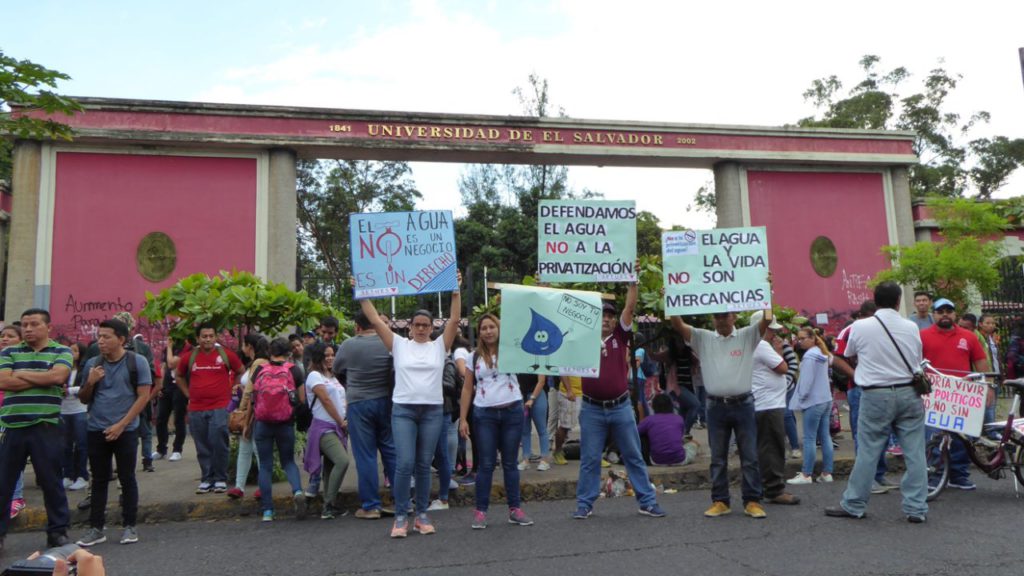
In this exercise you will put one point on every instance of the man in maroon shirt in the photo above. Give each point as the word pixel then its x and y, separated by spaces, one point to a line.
pixel 957 352
pixel 606 410
pixel 207 374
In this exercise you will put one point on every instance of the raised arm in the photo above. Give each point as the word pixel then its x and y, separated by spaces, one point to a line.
pixel 451 329
pixel 680 326
pixel 626 318
pixel 382 329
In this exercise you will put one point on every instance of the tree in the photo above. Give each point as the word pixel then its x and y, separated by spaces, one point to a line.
pixel 949 166
pixel 328 191
pixel 960 266
pixel 23 85
pixel 705 200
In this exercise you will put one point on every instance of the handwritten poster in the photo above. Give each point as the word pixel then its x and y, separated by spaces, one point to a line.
pixel 955 404
pixel 721 270
pixel 586 241
pixel 549 331
pixel 402 253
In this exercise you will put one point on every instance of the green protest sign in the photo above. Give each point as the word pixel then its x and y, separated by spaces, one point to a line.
pixel 548 331
pixel 721 270
pixel 586 241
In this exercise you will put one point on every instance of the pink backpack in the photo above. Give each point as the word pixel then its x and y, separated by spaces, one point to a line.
pixel 273 388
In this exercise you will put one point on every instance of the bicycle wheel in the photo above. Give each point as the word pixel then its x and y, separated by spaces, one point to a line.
pixel 937 452
pixel 1018 463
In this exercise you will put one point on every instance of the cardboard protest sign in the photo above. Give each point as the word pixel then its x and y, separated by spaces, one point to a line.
pixel 400 253
pixel 955 404
pixel 548 331
pixel 721 270
pixel 586 241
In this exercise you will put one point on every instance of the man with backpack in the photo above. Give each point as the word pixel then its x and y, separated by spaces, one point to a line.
pixel 207 374
pixel 117 389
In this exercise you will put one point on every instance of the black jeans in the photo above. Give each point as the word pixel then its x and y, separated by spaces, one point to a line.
pixel 171 400
pixel 123 451
pixel 771 450
pixel 44 443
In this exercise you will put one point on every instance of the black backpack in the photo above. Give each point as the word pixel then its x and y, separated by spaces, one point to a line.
pixel 451 386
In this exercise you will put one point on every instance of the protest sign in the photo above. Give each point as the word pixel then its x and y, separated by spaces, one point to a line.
pixel 955 404
pixel 400 253
pixel 722 270
pixel 586 241
pixel 548 331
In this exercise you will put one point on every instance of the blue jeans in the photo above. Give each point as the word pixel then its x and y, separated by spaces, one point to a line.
pixel 416 428
pixel 210 433
pixel 816 420
pixel 853 399
pixel 724 420
pixel 689 407
pixel 596 423
pixel 444 457
pixel 702 396
pixel 76 445
pixel 990 416
pixel 539 416
pixel 369 430
pixel 498 429
pixel 267 436
pixel 882 410
pixel 790 419
pixel 959 462
pixel 246 449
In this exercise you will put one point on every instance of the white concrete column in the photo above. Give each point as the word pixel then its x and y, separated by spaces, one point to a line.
pixel 281 242
pixel 728 195
pixel 902 211
pixel 21 264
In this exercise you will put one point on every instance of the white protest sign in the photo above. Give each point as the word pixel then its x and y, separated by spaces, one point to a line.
pixel 955 404
pixel 586 241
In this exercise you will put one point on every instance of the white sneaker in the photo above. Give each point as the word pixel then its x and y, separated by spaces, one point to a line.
pixel 79 484
pixel 453 485
pixel 437 505
pixel 67 483
pixel 523 465
pixel 175 456
pixel 543 465
pixel 156 456
pixel 800 478
pixel 824 478
pixel 795 455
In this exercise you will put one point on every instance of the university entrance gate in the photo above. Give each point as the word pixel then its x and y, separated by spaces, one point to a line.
pixel 152 191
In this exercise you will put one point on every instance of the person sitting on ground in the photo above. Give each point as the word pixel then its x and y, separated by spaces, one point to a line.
pixel 664 431
pixel 570 389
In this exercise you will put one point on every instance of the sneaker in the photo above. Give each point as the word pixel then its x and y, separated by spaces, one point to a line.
pixel 93 537
pixel 156 456
pixel 175 456
pixel 479 520
pixel 400 529
pixel 257 494
pixel 559 458
pixel 754 510
pixel 236 493
pixel 523 465
pixel 824 478
pixel 543 466
pixel 718 509
pixel 57 539
pixel 327 513
pixel 796 455
pixel 613 457
pixel 364 514
pixel 963 484
pixel 313 491
pixel 654 511
pixel 147 466
pixel 17 505
pixel 220 487
pixel 423 525
pixel 582 512
pixel 299 500
pixel 467 480
pixel 437 504
pixel 605 463
pixel 79 484
pixel 894 451
pixel 67 483
pixel 130 535
pixel 86 503
pixel 453 485
pixel 800 478
pixel 517 516
pixel 916 518
pixel 203 488
pixel 877 488
pixel 268 516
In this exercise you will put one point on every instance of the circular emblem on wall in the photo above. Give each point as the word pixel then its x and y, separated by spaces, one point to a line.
pixel 823 256
pixel 156 256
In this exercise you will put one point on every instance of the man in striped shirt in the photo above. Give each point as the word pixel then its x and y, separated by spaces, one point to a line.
pixel 32 376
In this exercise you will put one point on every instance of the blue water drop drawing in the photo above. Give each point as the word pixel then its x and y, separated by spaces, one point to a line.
pixel 543 337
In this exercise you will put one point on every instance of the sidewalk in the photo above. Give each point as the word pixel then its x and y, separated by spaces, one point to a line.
pixel 168 494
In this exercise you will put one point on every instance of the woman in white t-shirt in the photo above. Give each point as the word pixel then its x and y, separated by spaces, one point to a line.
pixel 498 415
pixel 328 434
pixel 418 411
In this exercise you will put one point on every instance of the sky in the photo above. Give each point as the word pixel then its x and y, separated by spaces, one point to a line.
pixel 737 63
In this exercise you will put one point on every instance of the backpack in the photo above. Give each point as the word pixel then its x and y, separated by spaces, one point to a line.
pixel 195 354
pixel 274 394
pixel 451 386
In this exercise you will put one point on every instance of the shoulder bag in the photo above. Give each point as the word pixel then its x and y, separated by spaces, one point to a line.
pixel 922 385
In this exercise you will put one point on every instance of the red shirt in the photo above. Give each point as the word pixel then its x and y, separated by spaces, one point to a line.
pixel 209 385
pixel 611 382
pixel 952 351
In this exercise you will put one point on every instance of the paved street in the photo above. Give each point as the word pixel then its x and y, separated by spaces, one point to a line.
pixel 966 533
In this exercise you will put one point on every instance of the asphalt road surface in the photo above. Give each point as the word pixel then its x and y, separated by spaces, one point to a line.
pixel 980 532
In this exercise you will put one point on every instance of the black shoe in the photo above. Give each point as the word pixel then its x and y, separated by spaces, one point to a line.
pixel 916 519
pixel 85 504
pixel 148 466
pixel 57 540
pixel 840 512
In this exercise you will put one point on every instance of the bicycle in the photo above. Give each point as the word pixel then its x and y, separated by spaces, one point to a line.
pixel 992 457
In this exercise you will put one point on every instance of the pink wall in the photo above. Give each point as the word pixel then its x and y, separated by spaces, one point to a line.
pixel 796 208
pixel 106 203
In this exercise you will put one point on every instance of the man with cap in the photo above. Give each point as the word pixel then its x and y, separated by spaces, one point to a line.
pixel 955 351
pixel 606 410
pixel 769 389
